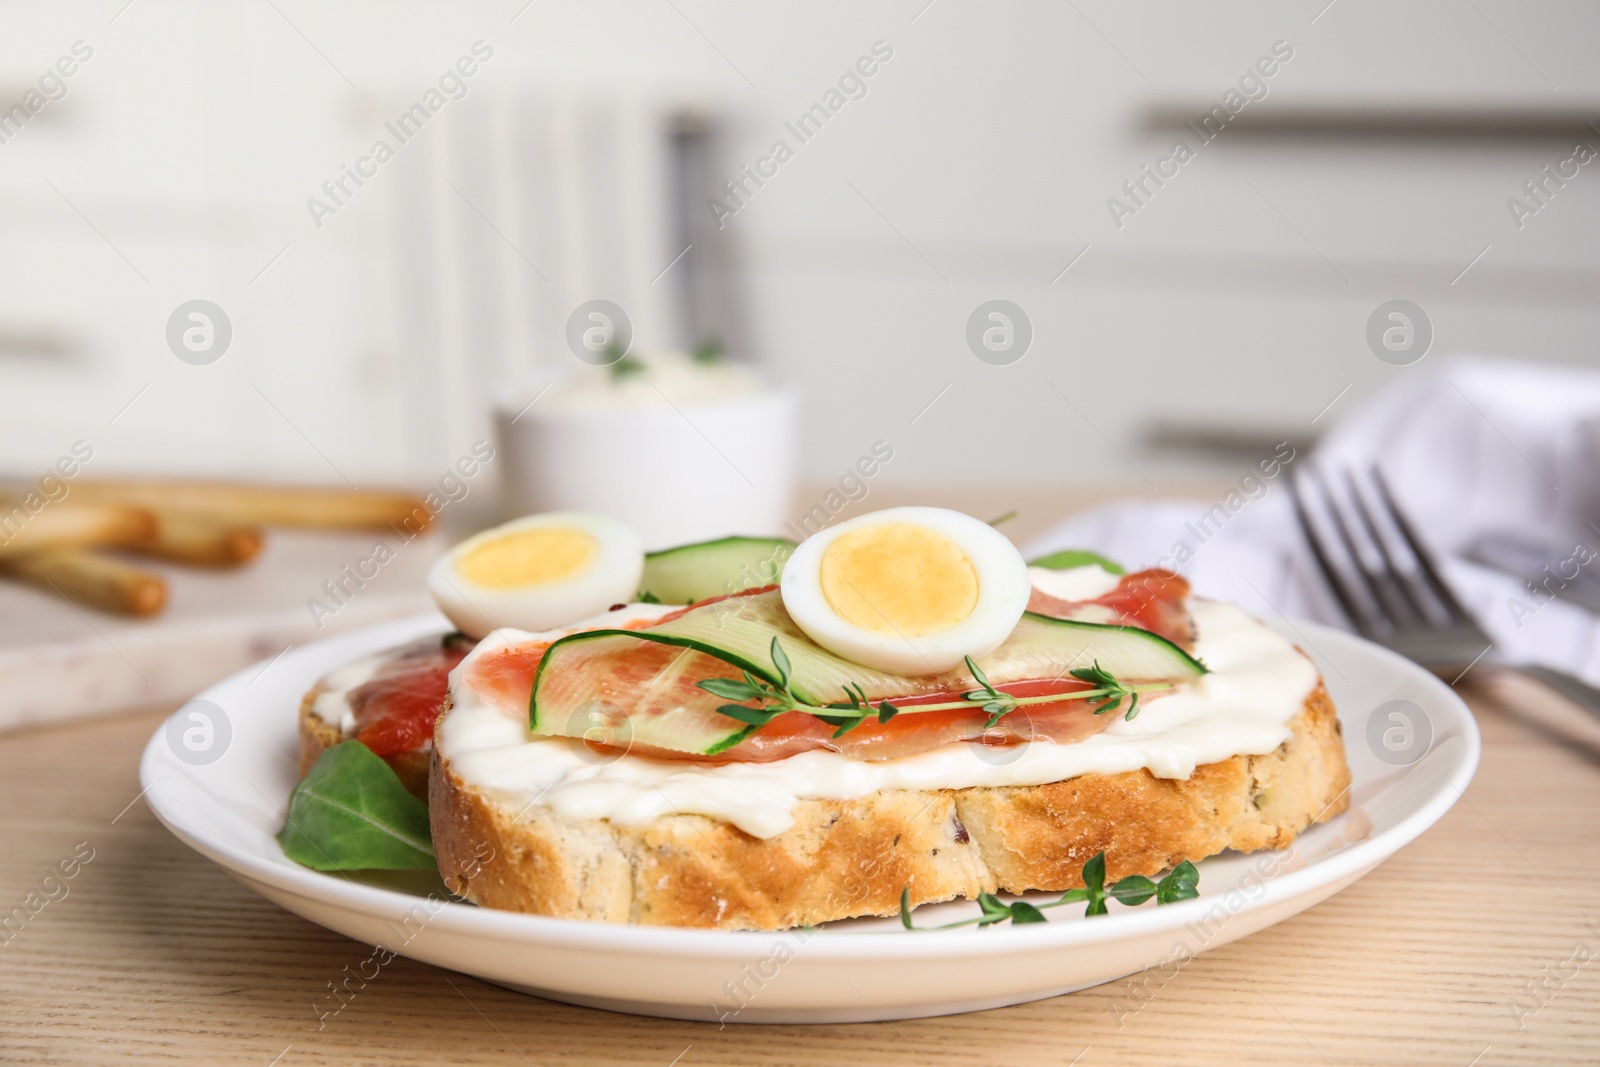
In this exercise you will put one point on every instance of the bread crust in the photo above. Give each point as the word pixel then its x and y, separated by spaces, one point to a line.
pixel 852 858
pixel 317 736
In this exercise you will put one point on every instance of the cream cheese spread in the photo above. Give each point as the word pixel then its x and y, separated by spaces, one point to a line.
pixel 1258 682
pixel 332 704
pixel 1074 583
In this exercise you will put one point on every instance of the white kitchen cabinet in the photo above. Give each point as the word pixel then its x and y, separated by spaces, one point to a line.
pixel 977 165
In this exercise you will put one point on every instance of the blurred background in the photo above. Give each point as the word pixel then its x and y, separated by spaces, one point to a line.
pixel 1087 249
pixel 373 338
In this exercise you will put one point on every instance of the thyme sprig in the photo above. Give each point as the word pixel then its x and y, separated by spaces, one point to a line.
pixel 995 703
pixel 856 708
pixel 1100 678
pixel 1183 883
pixel 778 699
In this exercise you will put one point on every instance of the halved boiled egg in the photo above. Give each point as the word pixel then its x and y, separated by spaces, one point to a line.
pixel 907 590
pixel 538 573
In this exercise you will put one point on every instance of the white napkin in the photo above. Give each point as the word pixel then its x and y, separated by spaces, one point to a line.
pixel 1471 447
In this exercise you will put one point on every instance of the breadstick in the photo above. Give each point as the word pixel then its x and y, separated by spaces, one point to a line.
pixel 88 578
pixel 70 523
pixel 269 505
pixel 201 540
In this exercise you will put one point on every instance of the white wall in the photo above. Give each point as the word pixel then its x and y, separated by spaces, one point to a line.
pixel 981 158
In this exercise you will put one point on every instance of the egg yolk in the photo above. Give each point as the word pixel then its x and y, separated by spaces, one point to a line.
pixel 528 557
pixel 898 578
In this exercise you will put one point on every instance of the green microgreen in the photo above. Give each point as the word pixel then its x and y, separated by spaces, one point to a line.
pixel 1182 883
pixel 710 351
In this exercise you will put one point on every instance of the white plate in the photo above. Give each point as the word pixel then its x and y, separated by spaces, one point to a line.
pixel 229 809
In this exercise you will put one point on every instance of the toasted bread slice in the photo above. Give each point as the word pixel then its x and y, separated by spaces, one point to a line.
pixel 316 736
pixel 852 858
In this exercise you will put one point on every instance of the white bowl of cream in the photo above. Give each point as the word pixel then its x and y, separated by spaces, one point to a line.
pixel 683 450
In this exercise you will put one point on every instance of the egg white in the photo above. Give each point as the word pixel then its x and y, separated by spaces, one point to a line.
pixel 611 577
pixel 1003 591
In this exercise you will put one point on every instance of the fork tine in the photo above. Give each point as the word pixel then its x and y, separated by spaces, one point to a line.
pixel 1346 593
pixel 1374 564
pixel 1400 579
pixel 1400 547
pixel 1430 576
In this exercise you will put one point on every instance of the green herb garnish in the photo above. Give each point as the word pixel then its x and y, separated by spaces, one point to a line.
pixel 855 708
pixel 710 351
pixel 1101 678
pixel 1183 883
pixel 350 813
pixel 995 703
pixel 860 709
pixel 647 597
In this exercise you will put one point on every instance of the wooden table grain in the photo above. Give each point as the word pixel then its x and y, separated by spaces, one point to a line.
pixel 1477 945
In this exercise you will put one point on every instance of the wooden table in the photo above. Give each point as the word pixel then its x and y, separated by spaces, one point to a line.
pixel 1459 951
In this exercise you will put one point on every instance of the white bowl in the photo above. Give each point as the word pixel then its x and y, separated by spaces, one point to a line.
pixel 677 474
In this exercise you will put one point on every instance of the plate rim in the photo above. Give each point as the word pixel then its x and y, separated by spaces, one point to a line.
pixel 838 945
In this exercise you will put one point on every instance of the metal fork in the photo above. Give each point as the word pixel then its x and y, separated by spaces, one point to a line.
pixel 1385 580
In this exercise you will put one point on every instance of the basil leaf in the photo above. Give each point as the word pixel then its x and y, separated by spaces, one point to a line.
pixel 352 814
pixel 1069 558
